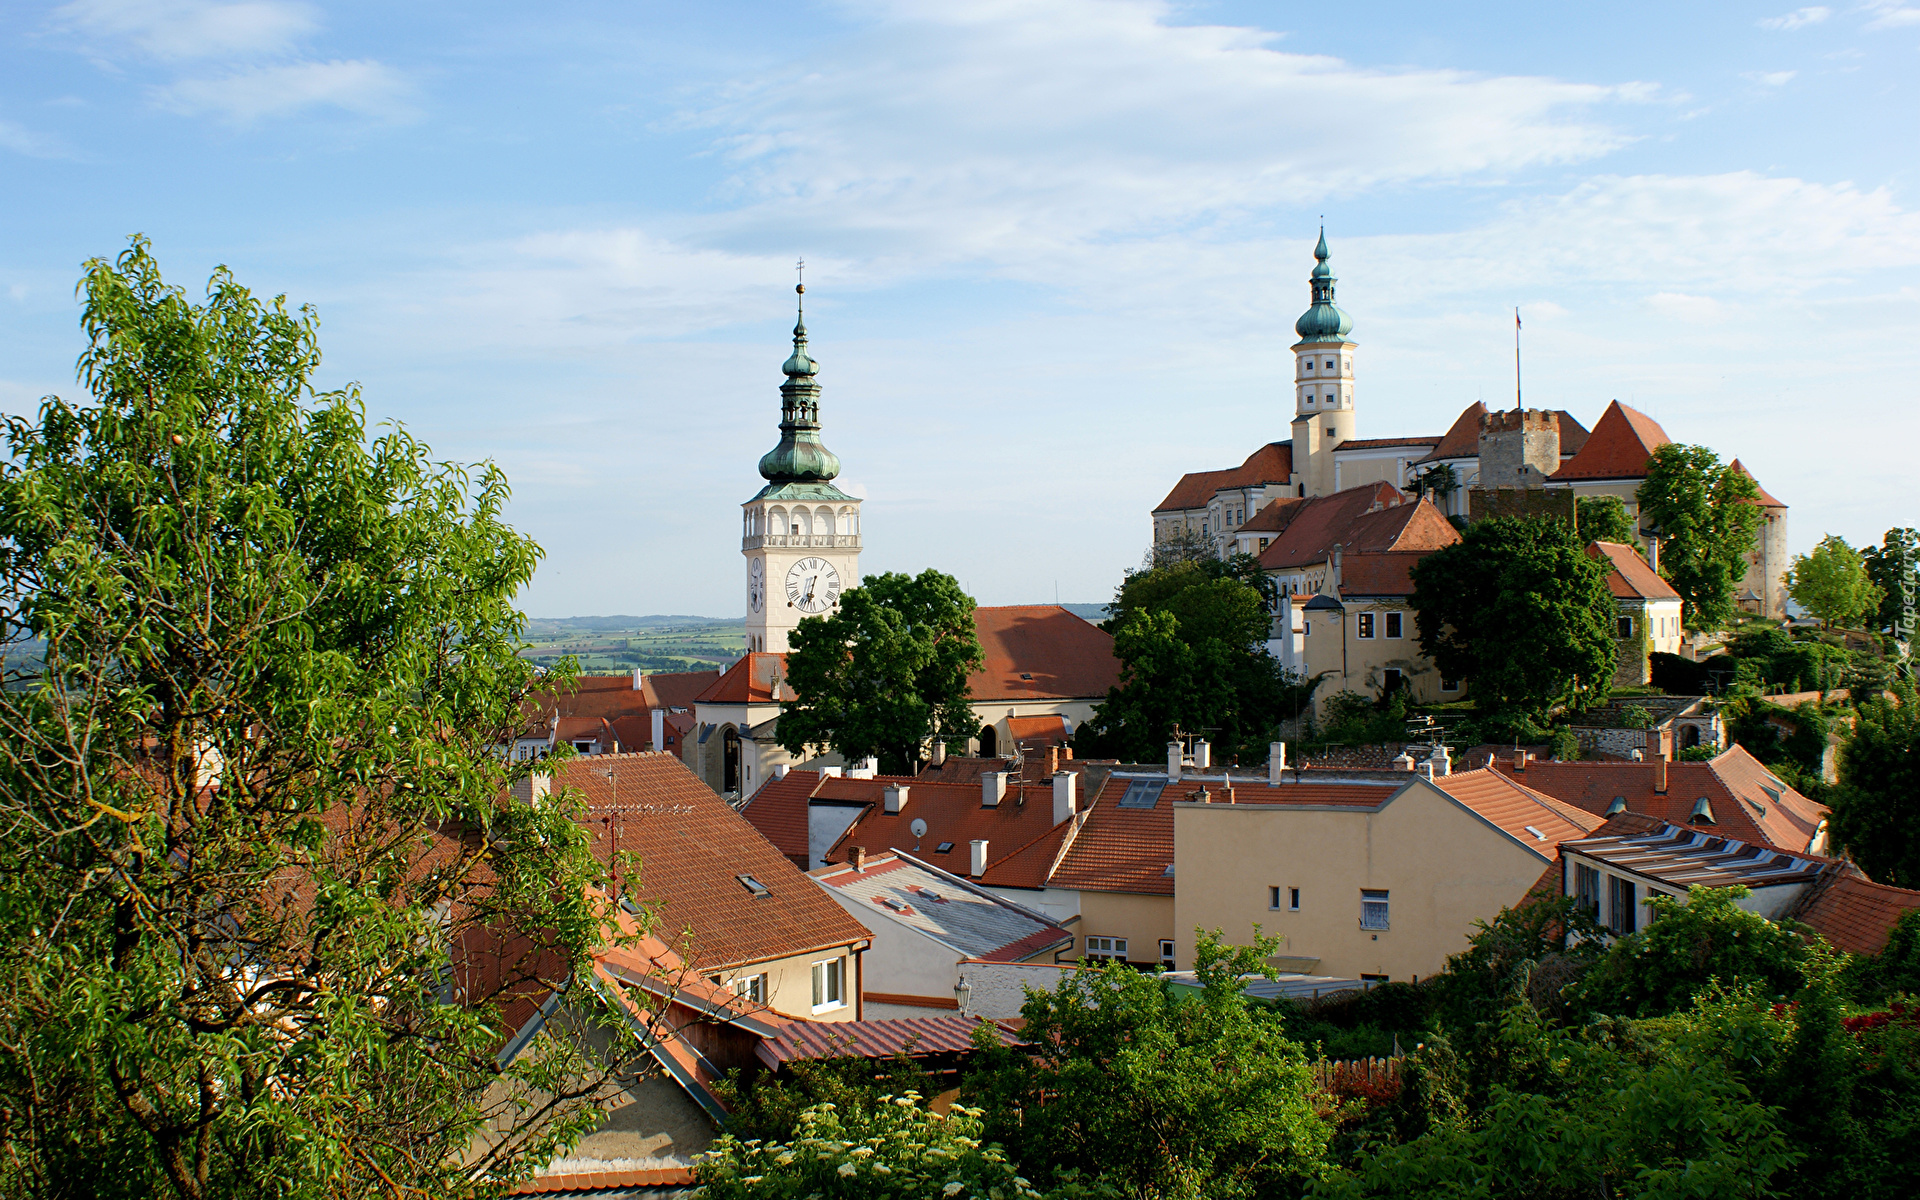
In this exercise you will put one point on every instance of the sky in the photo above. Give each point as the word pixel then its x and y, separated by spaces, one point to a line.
pixel 1054 248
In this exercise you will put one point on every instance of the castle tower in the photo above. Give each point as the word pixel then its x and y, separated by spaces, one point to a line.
pixel 1519 448
pixel 800 534
pixel 1323 381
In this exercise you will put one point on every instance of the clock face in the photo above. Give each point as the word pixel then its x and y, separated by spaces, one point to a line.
pixel 756 585
pixel 813 585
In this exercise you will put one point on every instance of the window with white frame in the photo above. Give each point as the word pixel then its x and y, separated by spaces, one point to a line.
pixel 1586 889
pixel 1291 896
pixel 1373 909
pixel 751 987
pixel 1365 622
pixel 1106 947
pixel 829 984
pixel 1622 905
pixel 1166 953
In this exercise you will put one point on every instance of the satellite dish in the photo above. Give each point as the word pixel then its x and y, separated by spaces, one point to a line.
pixel 918 827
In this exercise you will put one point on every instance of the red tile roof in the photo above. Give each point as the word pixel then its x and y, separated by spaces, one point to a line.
pixel 613 697
pixel 1065 656
pixel 1382 443
pixel 604 1182
pixel 1462 439
pixel 779 811
pixel 1324 520
pixel 1514 807
pixel 912 1036
pixel 1274 516
pixel 748 681
pixel 1631 578
pixel 1749 803
pixel 692 847
pixel 1271 463
pixel 1037 733
pixel 1765 499
pixel 1379 574
pixel 1618 448
pixel 1856 914
pixel 1022 821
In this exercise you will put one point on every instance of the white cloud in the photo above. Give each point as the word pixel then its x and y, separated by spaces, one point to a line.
pixel 244 97
pixel 181 29
pixel 990 127
pixel 1890 14
pixel 1799 18
pixel 21 140
pixel 1680 306
pixel 1769 78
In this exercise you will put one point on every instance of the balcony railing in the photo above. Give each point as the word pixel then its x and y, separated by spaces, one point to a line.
pixel 797 541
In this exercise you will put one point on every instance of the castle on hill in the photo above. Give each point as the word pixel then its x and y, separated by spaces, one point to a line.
pixel 1248 508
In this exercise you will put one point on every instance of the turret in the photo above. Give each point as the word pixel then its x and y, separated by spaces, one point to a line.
pixel 800 457
pixel 1323 379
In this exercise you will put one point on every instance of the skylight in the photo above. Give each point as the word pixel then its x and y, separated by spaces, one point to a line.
pixel 943 848
pixel 759 890
pixel 1537 835
pixel 1142 793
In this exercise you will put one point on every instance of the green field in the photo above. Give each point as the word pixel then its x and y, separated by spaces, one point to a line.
pixel 613 645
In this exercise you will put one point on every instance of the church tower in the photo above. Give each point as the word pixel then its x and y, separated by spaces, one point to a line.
pixel 801 534
pixel 1323 381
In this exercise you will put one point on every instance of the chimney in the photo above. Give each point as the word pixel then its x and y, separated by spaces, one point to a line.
pixel 1173 761
pixel 978 865
pixel 1053 760
pixel 1519 761
pixel 1336 568
pixel 939 752
pixel 1426 769
pixel 895 797
pixel 1066 787
pixel 859 858
pixel 533 788
pixel 1202 755
pixel 1402 761
pixel 1226 793
pixel 1659 772
pixel 1441 760
pixel 993 788
pixel 1276 762
pixel 831 772
pixel 1066 752
pixel 1653 554
pixel 780 770
pixel 659 728
pixel 639 678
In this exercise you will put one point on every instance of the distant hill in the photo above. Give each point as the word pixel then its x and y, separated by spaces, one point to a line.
pixel 1090 612
pixel 599 624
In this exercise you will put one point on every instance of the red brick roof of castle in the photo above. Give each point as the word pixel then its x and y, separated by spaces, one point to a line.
pixel 1271 463
pixel 1631 578
pixel 1618 448
pixel 1765 499
pixel 1462 439
pixel 1373 518
pixel 1041 652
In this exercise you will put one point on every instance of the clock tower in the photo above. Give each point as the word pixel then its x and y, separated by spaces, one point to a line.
pixel 800 534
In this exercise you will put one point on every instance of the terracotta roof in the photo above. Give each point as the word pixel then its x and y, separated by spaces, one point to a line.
pixel 1462 439
pixel 748 681
pixel 955 912
pixel 1765 499
pixel 1534 819
pixel 693 847
pixel 955 817
pixel 1749 802
pixel 1271 463
pixel 912 1036
pixel 1854 913
pixel 1040 652
pixel 1382 443
pixel 1618 448
pixel 1274 516
pixel 1631 578
pixel 1379 574
pixel 1324 520
pixel 1037 733
pixel 613 697
pixel 779 811
pixel 1573 435
pixel 606 1183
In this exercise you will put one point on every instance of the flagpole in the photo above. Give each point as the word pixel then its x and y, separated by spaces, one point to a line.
pixel 1516 359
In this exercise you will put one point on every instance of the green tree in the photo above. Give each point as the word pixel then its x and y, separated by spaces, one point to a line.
pixel 1606 519
pixel 1191 640
pixel 1684 948
pixel 1707 516
pixel 253 800
pixel 1832 583
pixel 1518 607
pixel 886 673
pixel 1875 819
pixel 1158 1090
pixel 1894 568
pixel 894 1149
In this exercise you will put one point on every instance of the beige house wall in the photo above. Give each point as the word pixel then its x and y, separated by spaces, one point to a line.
pixel 1361 664
pixel 1442 866
pixel 995 713
pixel 1142 920
pixel 790 983
pixel 1627 489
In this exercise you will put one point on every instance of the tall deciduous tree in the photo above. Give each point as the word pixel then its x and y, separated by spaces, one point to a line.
pixel 1605 519
pixel 1894 567
pixel 1520 609
pixel 252 804
pixel 1875 817
pixel 1707 517
pixel 885 673
pixel 1832 583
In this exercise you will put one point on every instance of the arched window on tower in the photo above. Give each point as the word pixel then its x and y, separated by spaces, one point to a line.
pixel 989 741
pixel 777 520
pixel 823 520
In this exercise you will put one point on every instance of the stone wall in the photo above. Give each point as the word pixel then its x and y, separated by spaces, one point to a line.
pixel 1485 502
pixel 1518 448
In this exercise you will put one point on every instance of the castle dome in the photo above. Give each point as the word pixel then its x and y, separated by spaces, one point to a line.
pixel 1324 321
pixel 801 457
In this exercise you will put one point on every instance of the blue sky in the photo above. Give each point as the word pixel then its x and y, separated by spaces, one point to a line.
pixel 1055 249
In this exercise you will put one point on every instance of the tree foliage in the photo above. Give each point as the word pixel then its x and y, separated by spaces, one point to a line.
pixel 1685 948
pixel 886 673
pixel 1707 517
pixel 1157 1090
pixel 1894 568
pixel 253 801
pixel 1874 815
pixel 1832 583
pixel 1606 519
pixel 1520 609
pixel 1191 640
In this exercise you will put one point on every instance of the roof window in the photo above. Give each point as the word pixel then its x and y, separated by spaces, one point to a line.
pixel 760 890
pixel 1142 793
pixel 1026 674
pixel 943 848
pixel 1537 835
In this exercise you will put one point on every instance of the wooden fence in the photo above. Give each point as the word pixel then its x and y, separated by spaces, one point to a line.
pixel 1357 1074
